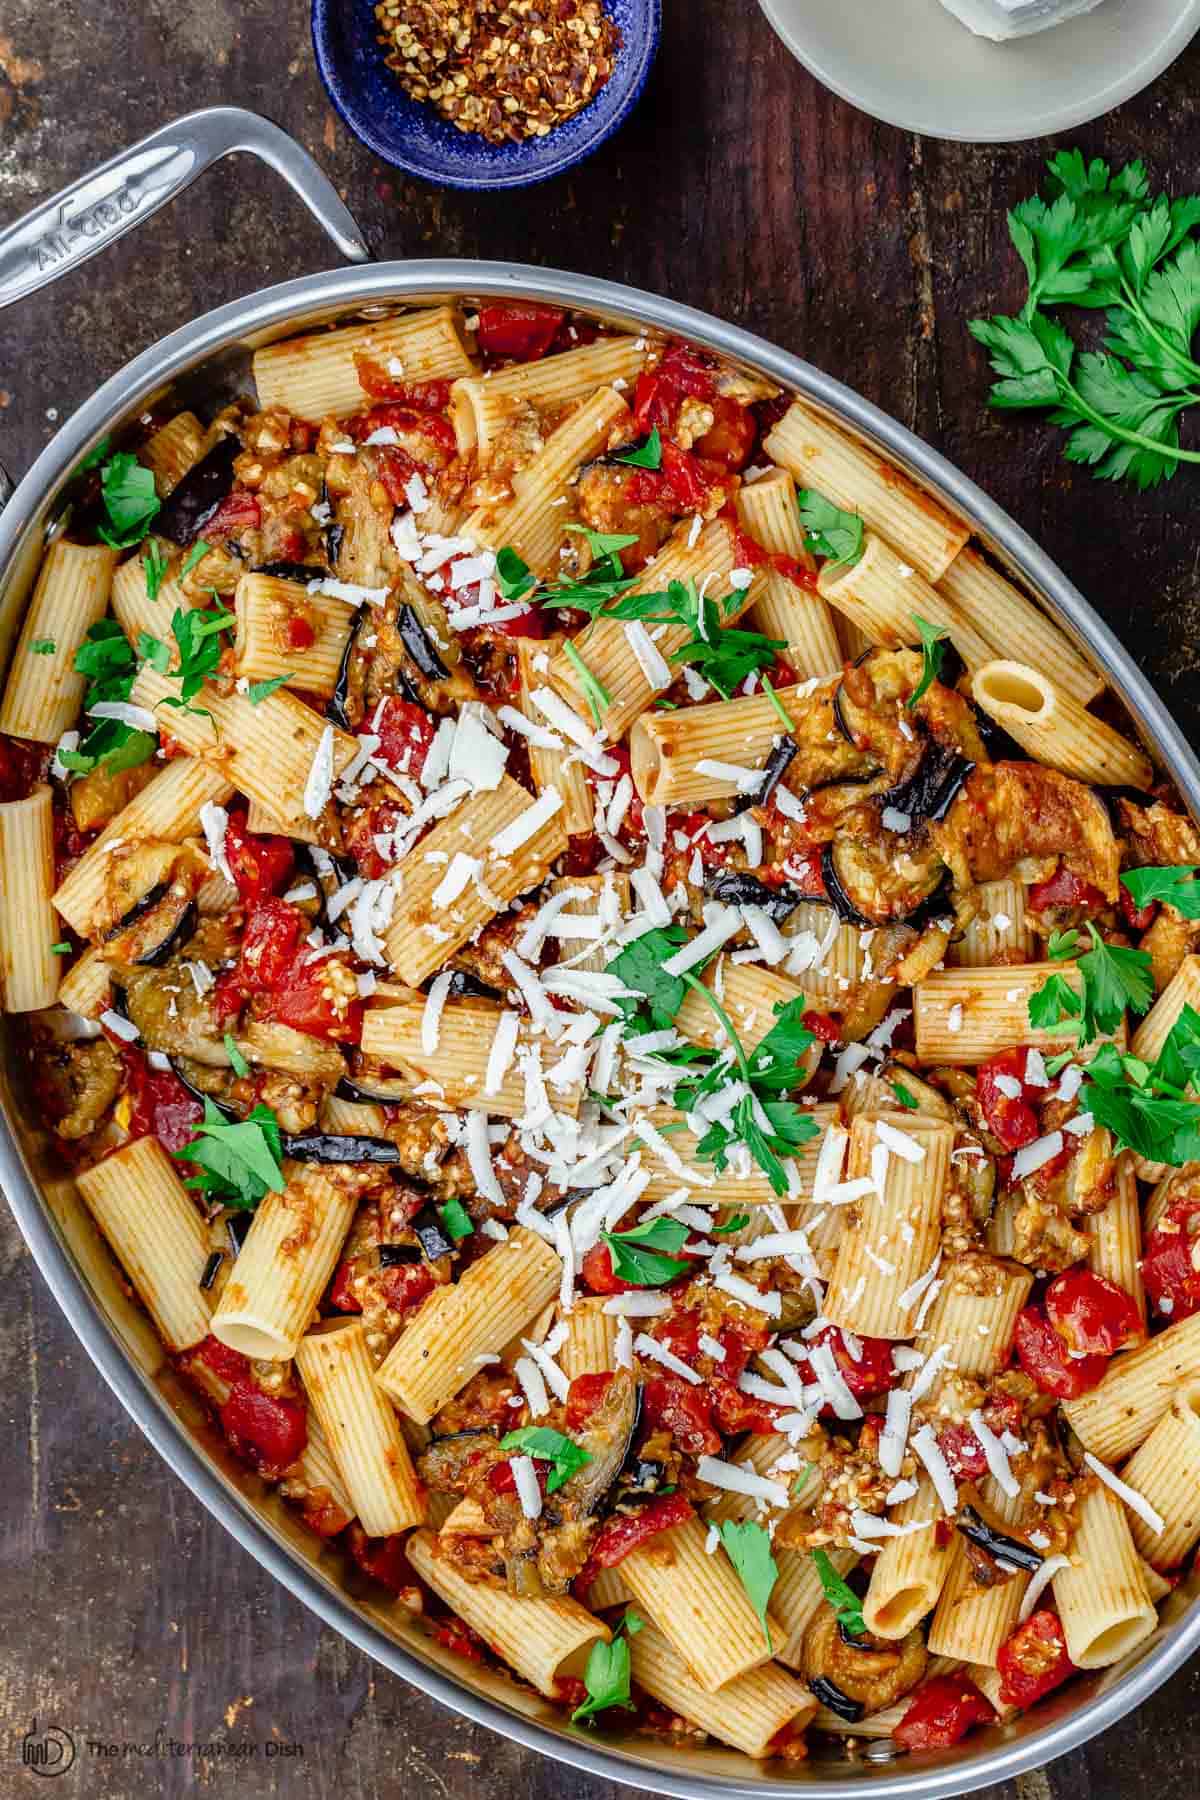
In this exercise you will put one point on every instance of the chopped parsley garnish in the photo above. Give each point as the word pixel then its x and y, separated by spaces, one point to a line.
pixel 847 1606
pixel 545 1445
pixel 603 543
pixel 237 1061
pixel 155 565
pixel 514 577
pixel 646 455
pixel 749 1550
pixel 606 1676
pixel 904 1095
pixel 832 533
pixel 456 1219
pixel 63 949
pixel 238 1162
pixel 738 1222
pixel 259 690
pixel 640 966
pixel 130 500
pixel 594 690
pixel 42 647
pixel 196 554
pixel 648 1256
pixel 154 651
pixel 109 664
pixel 198 637
pixel 787 723
pixel 1175 885
pixel 1113 978
pixel 933 652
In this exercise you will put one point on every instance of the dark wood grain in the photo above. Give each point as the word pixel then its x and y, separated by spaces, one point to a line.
pixel 740 187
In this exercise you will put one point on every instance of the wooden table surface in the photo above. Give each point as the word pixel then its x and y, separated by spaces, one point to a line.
pixel 741 187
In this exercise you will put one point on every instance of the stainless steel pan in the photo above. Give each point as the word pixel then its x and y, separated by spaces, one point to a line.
pixel 211 355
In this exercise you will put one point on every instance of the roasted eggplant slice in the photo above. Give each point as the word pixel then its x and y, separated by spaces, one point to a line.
pixel 432 1236
pixel 335 537
pixel 383 1093
pixel 211 1269
pixel 199 1093
pixel 291 571
pixel 238 1226
pixel 420 645
pixel 336 709
pixel 880 880
pixel 997 1544
pixel 832 1696
pixel 782 755
pixel 932 789
pixel 160 932
pixel 394 1256
pixel 997 742
pixel 339 1147
pixel 193 500
pixel 733 887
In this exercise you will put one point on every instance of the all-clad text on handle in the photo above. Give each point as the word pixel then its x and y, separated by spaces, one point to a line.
pixel 65 230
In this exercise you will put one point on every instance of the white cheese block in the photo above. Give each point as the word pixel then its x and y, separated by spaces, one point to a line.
pixel 1000 19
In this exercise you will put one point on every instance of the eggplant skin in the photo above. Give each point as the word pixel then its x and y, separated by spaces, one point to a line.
pixel 928 794
pixel 431 1236
pixel 420 646
pixel 348 1089
pixel 339 700
pixel 291 571
pixel 839 899
pixel 733 887
pixel 139 909
pixel 339 1147
pixel 832 1696
pixel 194 499
pixel 996 1543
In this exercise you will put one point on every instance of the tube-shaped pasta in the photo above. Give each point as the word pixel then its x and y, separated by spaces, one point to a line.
pixel 1115 1236
pixel 976 1311
pixel 884 596
pixel 1102 1599
pixel 1015 626
pixel 266 607
pixel 284 1264
pixel 972 1622
pixel 737 1185
pixel 965 1016
pixel 421 936
pixel 44 691
pixel 132 606
pixel 699 1604
pixel 339 1378
pixel 459 1065
pixel 86 988
pixel 1136 1391
pixel 821 456
pixel 608 651
pixel 483 407
pixel 317 375
pixel 267 750
pixel 29 971
pixel 550 767
pixel 595 895
pixel 750 995
pixel 533 520
pixel 484 1308
pixel 157 1235
pixel 173 449
pixel 747 1712
pixel 100 1270
pixel 767 510
pixel 892 1237
pixel 167 809
pixel 591 1339
pixel 1053 727
pixel 999 933
pixel 798 1594
pixel 665 747
pixel 1182 990
pixel 910 1571
pixel 546 1641
pixel 1165 1470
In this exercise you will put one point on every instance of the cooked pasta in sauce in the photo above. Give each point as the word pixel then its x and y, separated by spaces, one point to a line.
pixel 628 1009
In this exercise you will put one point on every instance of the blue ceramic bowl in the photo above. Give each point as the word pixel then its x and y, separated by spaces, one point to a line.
pixel 412 136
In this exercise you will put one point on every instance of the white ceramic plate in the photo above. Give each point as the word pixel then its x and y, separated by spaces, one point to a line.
pixel 910 63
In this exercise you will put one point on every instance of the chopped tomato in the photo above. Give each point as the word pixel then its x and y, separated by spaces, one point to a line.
pixel 306 1002
pixel 528 624
pixel 522 329
pixel 736 1412
pixel 1047 1361
pixel 569 1691
pixel 1092 1314
pixel 22 766
pixel 1034 1659
pixel 803 869
pixel 382 1558
pixel 1171 1260
pixel 267 1430
pixel 405 732
pixel 238 511
pixel 823 1025
pixel 661 392
pixel 1065 889
pixel 941 1713
pixel 405 1285
pixel 341 1294
pixel 584 1396
pixel 161 1105
pixel 274 933
pixel 730 437
pixel 1138 918
pixel 422 441
pixel 377 384
pixel 694 827
pixel 300 634
pixel 683 1409
pixel 363 827
pixel 260 865
pixel 627 1531
pixel 452 1634
pixel 963 1450
pixel 1009 1117
pixel 597 1272
pixel 684 478
pixel 229 1365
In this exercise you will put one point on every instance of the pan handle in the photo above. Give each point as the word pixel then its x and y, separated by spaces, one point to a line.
pixel 64 231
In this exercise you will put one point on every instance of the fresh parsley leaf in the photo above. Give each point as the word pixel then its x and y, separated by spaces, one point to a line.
pixel 154 651
pixel 196 554
pixel 456 1219
pixel 1053 1003
pixel 237 1061
pixel 239 1162
pixel 1063 944
pixel 197 634
pixel 514 577
pixel 738 1222
pixel 545 1445
pixel 801 1480
pixel 106 660
pixel 259 690
pixel 905 1097
pixel 647 1256
pixel 789 724
pixel 1161 1130
pixel 828 530
pixel 94 457
pixel 63 949
pixel 42 647
pixel 155 564
pixel 775 1063
pixel 130 501
pixel 606 1677
pixel 749 1550
pixel 1179 1059
pixel 646 455
pixel 1176 885
pixel 845 1602
pixel 640 966
pixel 1113 978
pixel 933 652
pixel 594 690
pixel 604 543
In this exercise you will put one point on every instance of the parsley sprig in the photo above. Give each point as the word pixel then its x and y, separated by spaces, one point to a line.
pixel 933 653
pixel 648 1256
pixel 749 1550
pixel 545 1445
pixel 239 1162
pixel 845 1602
pixel 606 1676
pixel 130 500
pixel 832 533
pixel 109 664
pixel 1097 240
pixel 1176 885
